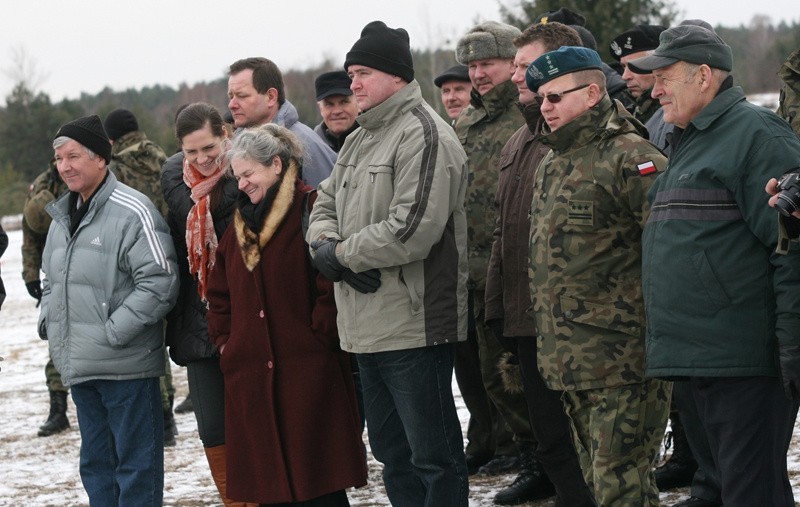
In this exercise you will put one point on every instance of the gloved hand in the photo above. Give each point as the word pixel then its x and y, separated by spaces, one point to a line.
pixel 789 361
pixel 365 283
pixel 509 344
pixel 325 259
pixel 35 289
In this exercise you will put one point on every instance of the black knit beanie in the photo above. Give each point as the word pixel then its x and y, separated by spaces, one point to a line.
pixel 88 131
pixel 383 48
pixel 119 122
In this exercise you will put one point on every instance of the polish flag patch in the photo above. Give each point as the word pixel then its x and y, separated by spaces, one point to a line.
pixel 646 168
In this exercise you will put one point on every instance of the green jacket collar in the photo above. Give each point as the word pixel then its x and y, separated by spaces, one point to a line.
pixel 493 103
pixel 717 107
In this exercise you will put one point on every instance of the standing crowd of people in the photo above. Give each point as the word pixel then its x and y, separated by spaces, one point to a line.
pixel 590 251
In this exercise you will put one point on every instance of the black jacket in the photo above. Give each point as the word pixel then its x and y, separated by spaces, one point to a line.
pixel 187 333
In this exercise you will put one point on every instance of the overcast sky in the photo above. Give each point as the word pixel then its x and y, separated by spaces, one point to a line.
pixel 90 44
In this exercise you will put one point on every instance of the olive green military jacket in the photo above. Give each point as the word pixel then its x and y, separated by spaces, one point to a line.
pixel 789 108
pixel 136 161
pixel 483 128
pixel 646 107
pixel 587 215
pixel 35 220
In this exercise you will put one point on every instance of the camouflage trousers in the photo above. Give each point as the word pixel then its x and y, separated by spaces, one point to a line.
pixel 512 407
pixel 165 383
pixel 618 432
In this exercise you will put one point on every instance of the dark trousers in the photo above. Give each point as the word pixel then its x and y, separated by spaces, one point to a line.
pixel 705 483
pixel 551 428
pixel 413 426
pixel 749 423
pixel 487 432
pixel 208 398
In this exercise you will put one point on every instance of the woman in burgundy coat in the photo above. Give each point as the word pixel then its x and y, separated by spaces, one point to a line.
pixel 292 428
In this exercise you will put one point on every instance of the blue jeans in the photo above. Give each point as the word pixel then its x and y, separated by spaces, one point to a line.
pixel 122 441
pixel 413 427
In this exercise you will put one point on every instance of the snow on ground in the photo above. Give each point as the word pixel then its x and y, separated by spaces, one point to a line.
pixel 41 472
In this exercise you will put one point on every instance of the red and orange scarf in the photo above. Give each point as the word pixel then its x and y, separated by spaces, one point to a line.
pixel 201 239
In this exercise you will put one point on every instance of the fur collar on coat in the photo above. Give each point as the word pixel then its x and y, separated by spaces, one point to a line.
pixel 250 243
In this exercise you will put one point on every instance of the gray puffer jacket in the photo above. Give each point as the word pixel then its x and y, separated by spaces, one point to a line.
pixel 107 287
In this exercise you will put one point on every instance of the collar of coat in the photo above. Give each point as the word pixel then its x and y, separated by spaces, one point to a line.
pixel 250 243
pixel 605 119
pixel 385 113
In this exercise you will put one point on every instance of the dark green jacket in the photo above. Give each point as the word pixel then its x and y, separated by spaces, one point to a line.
pixel 718 298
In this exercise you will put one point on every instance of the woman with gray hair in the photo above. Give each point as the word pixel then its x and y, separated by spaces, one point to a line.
pixel 291 423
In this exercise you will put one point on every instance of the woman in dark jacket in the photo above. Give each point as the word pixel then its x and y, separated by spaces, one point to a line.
pixel 201 197
pixel 291 422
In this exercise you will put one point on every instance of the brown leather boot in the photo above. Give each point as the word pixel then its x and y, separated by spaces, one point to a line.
pixel 216 462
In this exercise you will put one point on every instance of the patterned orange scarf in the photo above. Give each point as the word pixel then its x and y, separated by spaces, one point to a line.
pixel 201 239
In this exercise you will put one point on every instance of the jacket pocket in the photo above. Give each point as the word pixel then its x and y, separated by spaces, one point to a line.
pixel 707 287
pixel 621 316
pixel 411 277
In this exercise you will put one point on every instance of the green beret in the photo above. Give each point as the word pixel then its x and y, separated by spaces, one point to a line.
pixel 562 61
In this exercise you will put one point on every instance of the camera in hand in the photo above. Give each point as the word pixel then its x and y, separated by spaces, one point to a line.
pixel 789 193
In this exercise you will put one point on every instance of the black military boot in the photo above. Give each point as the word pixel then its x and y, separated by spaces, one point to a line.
pixel 185 406
pixel 679 470
pixel 170 428
pixel 57 420
pixel 532 482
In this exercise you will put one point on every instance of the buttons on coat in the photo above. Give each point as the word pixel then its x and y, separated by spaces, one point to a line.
pixel 261 314
pixel 269 364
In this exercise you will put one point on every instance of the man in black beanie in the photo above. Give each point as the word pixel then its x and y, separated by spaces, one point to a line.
pixel 110 278
pixel 393 209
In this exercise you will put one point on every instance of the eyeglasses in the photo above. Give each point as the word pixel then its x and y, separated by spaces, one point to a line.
pixel 555 98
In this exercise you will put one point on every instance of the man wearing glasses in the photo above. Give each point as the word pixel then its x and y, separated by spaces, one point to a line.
pixel 587 214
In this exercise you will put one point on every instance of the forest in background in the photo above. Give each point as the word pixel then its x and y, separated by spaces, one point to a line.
pixel 29 118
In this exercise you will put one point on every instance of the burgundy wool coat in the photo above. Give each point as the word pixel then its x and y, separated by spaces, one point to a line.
pixel 292 430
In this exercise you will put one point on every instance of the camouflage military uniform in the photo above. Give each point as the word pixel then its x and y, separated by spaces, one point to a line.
pixel 35 223
pixel 588 211
pixel 789 108
pixel 483 128
pixel 646 107
pixel 136 161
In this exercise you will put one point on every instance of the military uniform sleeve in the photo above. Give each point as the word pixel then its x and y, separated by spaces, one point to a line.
pixel 147 254
pixel 640 170
pixel 429 181
pixel 494 308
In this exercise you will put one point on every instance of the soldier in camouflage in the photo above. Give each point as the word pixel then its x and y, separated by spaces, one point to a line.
pixel 588 211
pixel 35 223
pixel 483 128
pixel 508 298
pixel 136 161
pixel 637 42
pixel 789 108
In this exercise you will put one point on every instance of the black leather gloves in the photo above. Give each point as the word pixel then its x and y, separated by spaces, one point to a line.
pixel 789 362
pixel 35 289
pixel 326 263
